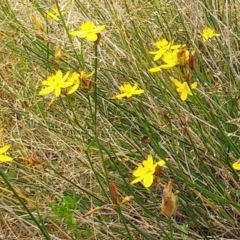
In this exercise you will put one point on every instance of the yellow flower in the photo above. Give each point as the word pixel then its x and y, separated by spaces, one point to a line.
pixel 236 165
pixel 55 83
pixel 4 158
pixel 54 14
pixel 89 31
pixel 128 91
pixel 76 79
pixel 145 171
pixel 208 33
pixel 172 58
pixel 163 46
pixel 183 89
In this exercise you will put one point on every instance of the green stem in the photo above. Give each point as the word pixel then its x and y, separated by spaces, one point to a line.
pixel 3 175
pixel 170 228
pixel 95 87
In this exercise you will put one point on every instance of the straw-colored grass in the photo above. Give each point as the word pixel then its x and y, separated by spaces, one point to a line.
pixel 66 157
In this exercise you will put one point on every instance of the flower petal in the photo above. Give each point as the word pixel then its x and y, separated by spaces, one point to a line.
pixel 155 69
pixel 73 89
pixel 194 85
pixel 99 29
pixel 57 91
pixel 139 179
pixel 4 148
pixel 167 66
pixel 236 165
pixel 66 84
pixel 92 37
pixel 177 83
pixel 120 96
pixel 65 76
pixel 149 161
pixel 161 163
pixel 58 75
pixel 148 180
pixel 183 96
pixel 77 32
pixel 4 158
pixel 46 90
pixel 140 91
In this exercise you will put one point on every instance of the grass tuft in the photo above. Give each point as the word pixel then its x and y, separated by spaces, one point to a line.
pixel 74 154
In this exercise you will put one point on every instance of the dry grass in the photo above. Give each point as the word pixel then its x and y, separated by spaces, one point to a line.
pixel 56 153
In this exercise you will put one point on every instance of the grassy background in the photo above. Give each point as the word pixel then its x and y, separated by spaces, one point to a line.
pixel 68 164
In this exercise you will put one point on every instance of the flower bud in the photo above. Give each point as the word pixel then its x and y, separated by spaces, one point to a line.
pixel 98 39
pixel 183 56
pixel 191 60
pixel 169 200
pixel 114 193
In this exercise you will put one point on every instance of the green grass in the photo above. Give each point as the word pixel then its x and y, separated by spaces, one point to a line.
pixel 77 147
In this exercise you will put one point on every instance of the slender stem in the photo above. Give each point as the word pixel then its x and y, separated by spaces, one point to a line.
pixel 95 87
pixel 3 175
pixel 170 228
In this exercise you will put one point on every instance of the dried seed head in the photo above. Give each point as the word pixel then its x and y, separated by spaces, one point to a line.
pixel 169 200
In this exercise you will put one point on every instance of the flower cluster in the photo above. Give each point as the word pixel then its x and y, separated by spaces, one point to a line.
pixel 70 81
pixel 168 53
pixel 171 56
pixel 177 55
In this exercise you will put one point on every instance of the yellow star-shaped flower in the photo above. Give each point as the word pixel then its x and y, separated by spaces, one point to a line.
pixel 163 46
pixel 172 58
pixel 145 171
pixel 55 83
pixel 208 33
pixel 183 88
pixel 76 79
pixel 89 31
pixel 128 91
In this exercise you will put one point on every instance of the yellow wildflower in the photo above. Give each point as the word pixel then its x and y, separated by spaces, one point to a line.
pixel 145 171
pixel 208 33
pixel 55 83
pixel 128 91
pixel 183 89
pixel 76 79
pixel 172 58
pixel 163 46
pixel 4 158
pixel 236 165
pixel 89 31
pixel 54 14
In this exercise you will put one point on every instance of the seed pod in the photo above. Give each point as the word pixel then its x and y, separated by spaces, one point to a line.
pixel 114 193
pixel 191 60
pixel 169 200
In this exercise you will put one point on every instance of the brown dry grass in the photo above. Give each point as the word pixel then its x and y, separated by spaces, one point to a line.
pixel 46 139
